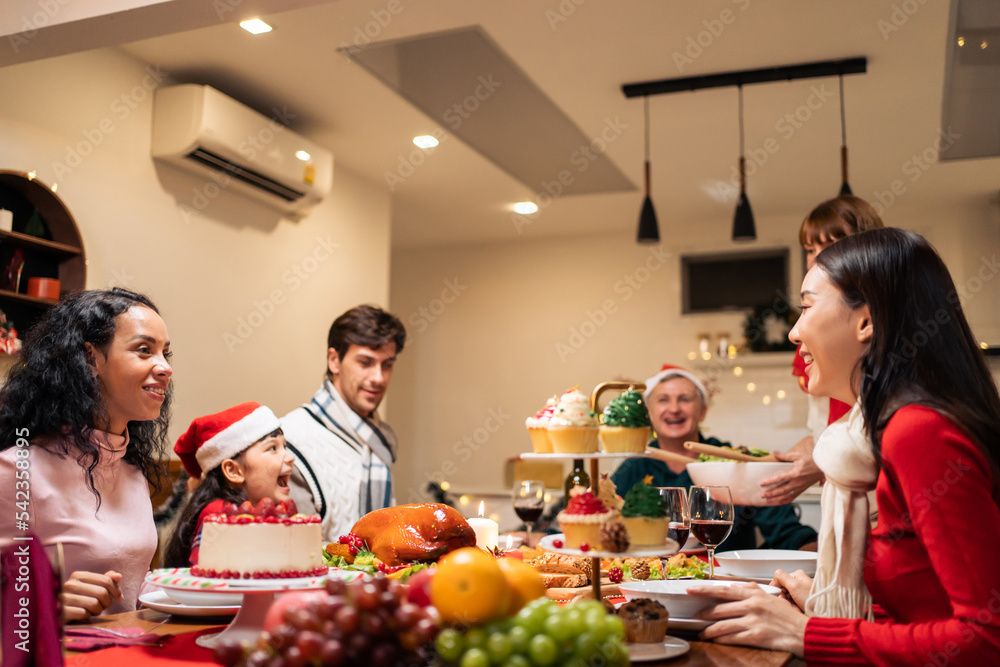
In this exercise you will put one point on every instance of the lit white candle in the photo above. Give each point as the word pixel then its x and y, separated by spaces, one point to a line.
pixel 487 530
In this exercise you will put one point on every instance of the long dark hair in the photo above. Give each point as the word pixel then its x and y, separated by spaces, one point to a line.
pixel 54 393
pixel 922 349
pixel 213 487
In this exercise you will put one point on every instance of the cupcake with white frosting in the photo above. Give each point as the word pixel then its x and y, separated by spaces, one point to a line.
pixel 573 426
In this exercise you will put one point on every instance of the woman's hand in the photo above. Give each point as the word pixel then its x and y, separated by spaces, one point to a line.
pixel 87 594
pixel 794 587
pixel 751 617
pixel 785 487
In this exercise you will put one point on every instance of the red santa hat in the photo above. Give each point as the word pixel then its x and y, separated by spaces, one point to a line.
pixel 212 439
pixel 669 372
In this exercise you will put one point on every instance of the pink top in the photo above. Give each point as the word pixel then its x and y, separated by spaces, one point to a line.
pixel 932 557
pixel 120 536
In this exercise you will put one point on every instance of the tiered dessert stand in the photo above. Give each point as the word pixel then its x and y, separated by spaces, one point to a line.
pixel 257 594
pixel 668 549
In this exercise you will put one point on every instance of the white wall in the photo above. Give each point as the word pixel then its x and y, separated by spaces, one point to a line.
pixel 504 340
pixel 206 272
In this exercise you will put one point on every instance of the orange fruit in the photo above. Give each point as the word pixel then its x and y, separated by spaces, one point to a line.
pixel 525 583
pixel 469 587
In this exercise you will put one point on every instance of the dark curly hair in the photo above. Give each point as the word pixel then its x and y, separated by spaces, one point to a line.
pixel 54 393
pixel 213 487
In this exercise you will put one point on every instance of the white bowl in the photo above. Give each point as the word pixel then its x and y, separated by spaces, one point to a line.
pixel 742 478
pixel 672 594
pixel 761 563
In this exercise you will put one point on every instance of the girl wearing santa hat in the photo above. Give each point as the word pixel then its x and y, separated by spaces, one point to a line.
pixel 83 427
pixel 237 455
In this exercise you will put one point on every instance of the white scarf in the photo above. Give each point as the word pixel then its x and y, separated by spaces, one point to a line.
pixel 845 456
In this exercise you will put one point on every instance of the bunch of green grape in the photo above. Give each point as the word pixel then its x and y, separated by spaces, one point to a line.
pixel 543 633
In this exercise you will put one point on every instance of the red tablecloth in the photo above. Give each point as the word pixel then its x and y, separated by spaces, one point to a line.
pixel 178 650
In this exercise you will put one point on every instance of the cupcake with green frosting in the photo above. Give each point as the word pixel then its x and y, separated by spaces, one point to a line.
pixel 625 424
pixel 645 514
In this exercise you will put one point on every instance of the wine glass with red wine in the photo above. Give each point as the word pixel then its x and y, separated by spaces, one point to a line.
pixel 678 514
pixel 529 503
pixel 711 518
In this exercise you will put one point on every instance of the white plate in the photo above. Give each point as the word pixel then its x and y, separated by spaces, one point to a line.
pixel 761 563
pixel 668 549
pixel 160 601
pixel 534 456
pixel 670 647
pixel 682 624
pixel 206 591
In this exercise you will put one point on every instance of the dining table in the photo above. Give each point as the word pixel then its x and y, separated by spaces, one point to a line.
pixel 179 649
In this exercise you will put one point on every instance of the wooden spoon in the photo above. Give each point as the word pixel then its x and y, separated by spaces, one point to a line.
pixel 722 452
pixel 668 457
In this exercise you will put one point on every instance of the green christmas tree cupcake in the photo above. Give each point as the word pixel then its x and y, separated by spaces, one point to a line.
pixel 645 515
pixel 625 424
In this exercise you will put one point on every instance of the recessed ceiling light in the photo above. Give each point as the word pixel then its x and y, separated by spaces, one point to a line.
pixel 302 155
pixel 425 141
pixel 525 207
pixel 961 41
pixel 255 26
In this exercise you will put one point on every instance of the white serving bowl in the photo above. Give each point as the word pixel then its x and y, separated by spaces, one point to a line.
pixel 672 594
pixel 742 478
pixel 761 563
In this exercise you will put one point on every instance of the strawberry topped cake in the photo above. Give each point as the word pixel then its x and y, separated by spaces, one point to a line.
pixel 582 519
pixel 268 541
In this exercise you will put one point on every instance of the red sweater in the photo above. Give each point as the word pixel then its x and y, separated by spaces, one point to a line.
pixel 933 560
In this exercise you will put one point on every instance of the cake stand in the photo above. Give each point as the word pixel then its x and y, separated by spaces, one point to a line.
pixel 258 594
pixel 669 548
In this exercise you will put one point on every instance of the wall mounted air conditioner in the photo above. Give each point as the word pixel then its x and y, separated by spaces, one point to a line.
pixel 201 130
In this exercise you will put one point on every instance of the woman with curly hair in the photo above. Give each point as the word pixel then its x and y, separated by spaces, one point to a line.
pixel 91 395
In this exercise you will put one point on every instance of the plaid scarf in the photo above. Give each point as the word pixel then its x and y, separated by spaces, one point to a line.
pixel 374 442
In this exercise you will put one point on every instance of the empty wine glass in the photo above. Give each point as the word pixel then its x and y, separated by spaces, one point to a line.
pixel 678 514
pixel 711 518
pixel 529 503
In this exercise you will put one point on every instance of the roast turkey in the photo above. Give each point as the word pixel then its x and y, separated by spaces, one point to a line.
pixel 414 533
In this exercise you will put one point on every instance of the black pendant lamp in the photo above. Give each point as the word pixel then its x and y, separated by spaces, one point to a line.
pixel 743 224
pixel 845 187
pixel 649 228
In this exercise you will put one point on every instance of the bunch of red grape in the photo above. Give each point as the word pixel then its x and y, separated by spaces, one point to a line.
pixel 364 622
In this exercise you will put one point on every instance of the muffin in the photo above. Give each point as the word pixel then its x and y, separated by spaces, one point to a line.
pixel 573 425
pixel 645 514
pixel 625 424
pixel 538 427
pixel 582 519
pixel 645 620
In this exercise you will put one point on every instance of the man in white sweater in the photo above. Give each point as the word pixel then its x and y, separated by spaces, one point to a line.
pixel 343 451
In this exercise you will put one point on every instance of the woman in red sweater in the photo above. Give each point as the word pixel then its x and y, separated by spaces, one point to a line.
pixel 882 326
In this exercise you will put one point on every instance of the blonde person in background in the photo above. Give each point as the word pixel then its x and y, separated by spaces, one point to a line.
pixel 826 224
